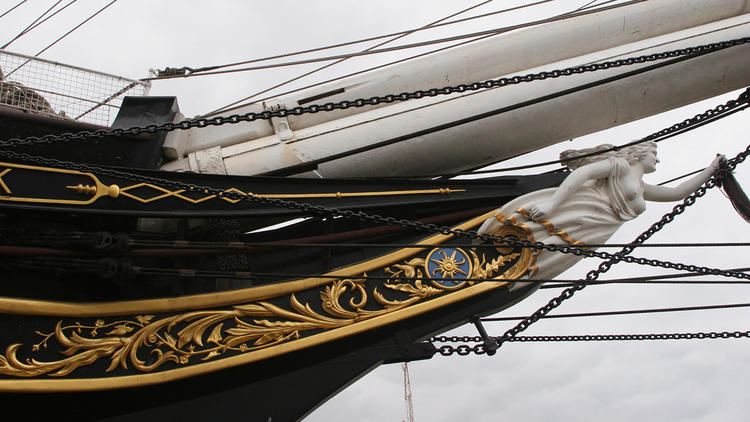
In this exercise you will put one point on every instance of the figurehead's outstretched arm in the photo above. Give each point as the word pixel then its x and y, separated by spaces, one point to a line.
pixel 669 194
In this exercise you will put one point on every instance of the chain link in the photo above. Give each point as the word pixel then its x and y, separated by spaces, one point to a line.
pixel 478 349
pixel 376 100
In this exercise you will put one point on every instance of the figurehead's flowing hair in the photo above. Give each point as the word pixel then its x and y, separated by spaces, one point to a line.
pixel 631 154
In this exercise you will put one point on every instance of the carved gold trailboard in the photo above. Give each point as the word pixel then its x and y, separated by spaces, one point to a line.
pixel 94 346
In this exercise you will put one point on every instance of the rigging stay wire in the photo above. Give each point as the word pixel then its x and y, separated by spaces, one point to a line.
pixel 375 38
pixel 236 104
pixel 680 177
pixel 240 246
pixel 396 37
pixel 239 103
pixel 588 4
pixel 242 103
pixel 63 36
pixel 187 248
pixel 41 22
pixel 269 276
pixel 591 4
pixel 76 27
pixel 184 250
pixel 13 8
pixel 402 47
pixel 651 279
pixel 626 312
pixel 27 29
pixel 44 257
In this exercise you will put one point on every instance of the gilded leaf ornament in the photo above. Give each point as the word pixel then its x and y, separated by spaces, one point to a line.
pixel 121 340
pixel 203 335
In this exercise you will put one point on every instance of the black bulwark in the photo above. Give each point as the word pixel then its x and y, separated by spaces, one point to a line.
pixel 141 151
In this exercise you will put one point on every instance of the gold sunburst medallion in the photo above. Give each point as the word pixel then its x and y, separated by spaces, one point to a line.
pixel 448 267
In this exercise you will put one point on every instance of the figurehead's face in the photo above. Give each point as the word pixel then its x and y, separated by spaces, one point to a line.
pixel 648 160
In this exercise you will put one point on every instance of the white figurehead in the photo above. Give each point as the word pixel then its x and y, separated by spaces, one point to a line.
pixel 602 192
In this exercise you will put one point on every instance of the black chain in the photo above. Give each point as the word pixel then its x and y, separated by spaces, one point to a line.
pixel 478 349
pixel 364 216
pixel 603 267
pixel 622 256
pixel 512 334
pixel 373 218
pixel 713 182
pixel 376 100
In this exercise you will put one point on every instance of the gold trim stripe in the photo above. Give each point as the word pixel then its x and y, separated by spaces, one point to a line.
pixel 2 183
pixel 338 195
pixel 209 300
pixel 113 191
pixel 101 188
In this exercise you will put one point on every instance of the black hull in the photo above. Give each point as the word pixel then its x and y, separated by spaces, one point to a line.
pixel 285 388
pixel 78 278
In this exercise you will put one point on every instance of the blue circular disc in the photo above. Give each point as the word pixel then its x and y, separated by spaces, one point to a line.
pixel 448 267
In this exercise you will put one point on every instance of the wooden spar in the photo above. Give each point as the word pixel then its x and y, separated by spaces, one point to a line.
pixel 254 148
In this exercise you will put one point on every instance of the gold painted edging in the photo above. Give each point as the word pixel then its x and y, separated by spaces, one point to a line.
pixel 209 300
pixel 99 190
pixel 140 380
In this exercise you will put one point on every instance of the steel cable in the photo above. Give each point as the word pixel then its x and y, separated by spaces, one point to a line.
pixel 13 8
pixel 402 47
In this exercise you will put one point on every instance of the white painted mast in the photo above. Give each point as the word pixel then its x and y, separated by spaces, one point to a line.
pixel 261 146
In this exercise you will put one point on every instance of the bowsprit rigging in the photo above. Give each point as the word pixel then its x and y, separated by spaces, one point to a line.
pixel 213 70
pixel 160 289
pixel 418 94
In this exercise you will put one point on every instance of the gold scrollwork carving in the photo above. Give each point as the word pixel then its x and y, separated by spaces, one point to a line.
pixel 202 334
pixel 510 228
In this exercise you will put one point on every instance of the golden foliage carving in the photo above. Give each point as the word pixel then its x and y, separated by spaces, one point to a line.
pixel 201 334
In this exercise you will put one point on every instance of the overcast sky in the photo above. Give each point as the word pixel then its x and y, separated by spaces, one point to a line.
pixel 617 381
